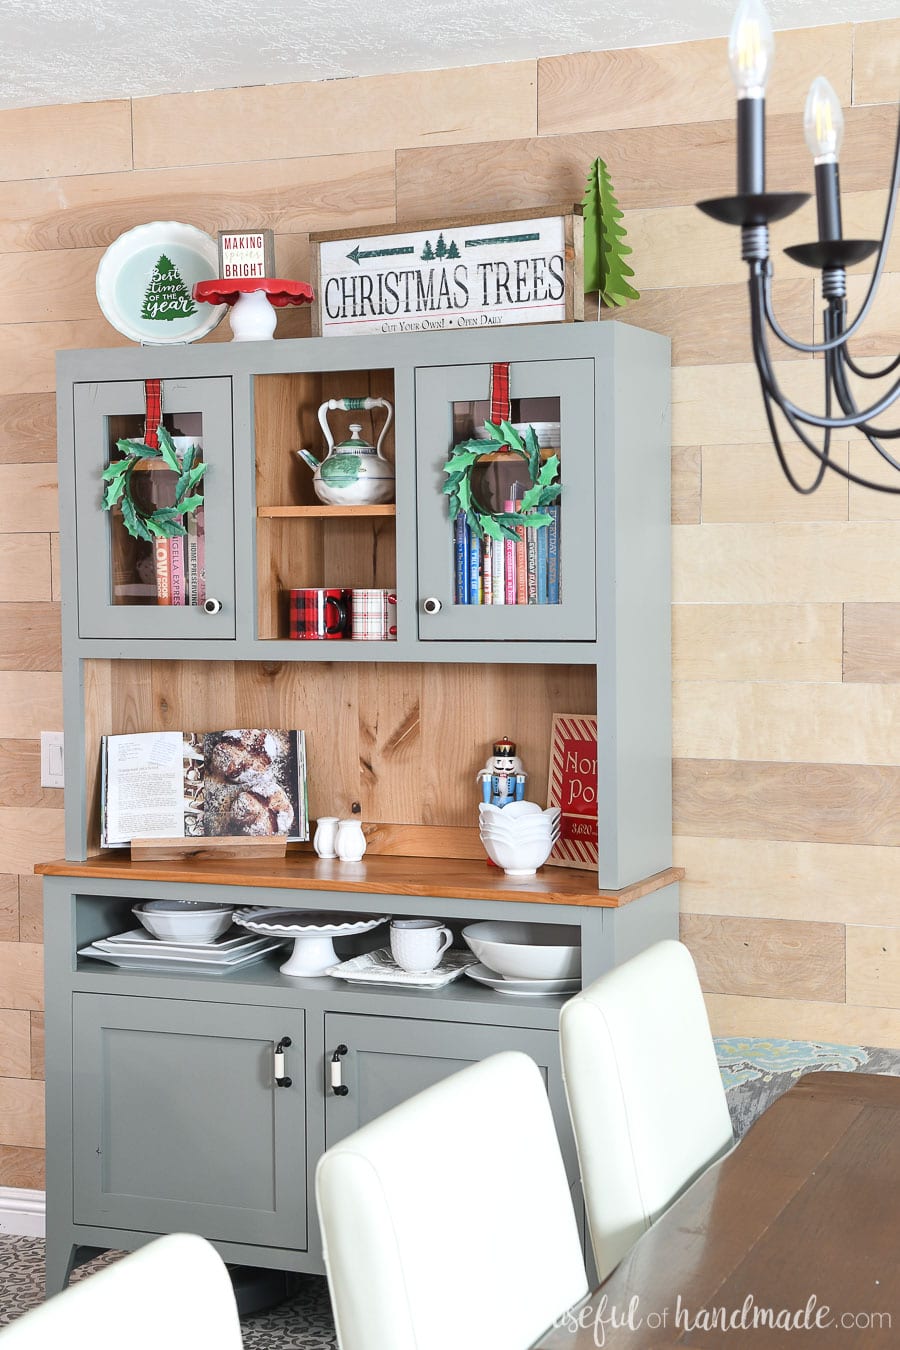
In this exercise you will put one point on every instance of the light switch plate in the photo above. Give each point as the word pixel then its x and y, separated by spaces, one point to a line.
pixel 52 759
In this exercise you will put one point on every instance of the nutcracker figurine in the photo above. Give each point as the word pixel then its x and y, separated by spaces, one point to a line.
pixel 503 777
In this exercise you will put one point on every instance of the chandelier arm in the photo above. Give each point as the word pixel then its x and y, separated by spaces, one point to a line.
pixel 771 393
pixel 873 284
pixel 833 319
pixel 869 374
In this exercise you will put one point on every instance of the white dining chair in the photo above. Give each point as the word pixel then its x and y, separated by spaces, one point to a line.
pixel 645 1094
pixel 173 1294
pixel 448 1221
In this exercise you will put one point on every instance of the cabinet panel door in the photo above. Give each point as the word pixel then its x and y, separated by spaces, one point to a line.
pixel 131 588
pixel 390 1059
pixel 179 1125
pixel 548 577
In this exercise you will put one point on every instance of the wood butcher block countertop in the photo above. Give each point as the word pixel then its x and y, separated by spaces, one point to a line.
pixel 462 879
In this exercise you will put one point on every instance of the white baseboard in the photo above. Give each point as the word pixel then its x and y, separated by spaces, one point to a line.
pixel 22 1213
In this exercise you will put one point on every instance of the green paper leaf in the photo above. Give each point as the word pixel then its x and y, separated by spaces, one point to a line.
pixel 475 525
pixel 465 495
pixel 116 469
pixel 549 470
pixel 133 523
pixel 511 436
pixel 531 499
pixel 167 449
pixel 188 505
pixel 113 493
pixel 137 449
pixel 494 431
pixel 491 528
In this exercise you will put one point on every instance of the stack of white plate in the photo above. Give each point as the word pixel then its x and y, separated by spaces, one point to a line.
pixel 135 950
pixel 518 837
pixel 525 958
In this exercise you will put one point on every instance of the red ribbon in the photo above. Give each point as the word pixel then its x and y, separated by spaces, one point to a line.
pixel 500 392
pixel 153 398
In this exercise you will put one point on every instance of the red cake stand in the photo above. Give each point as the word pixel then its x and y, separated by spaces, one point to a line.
pixel 254 301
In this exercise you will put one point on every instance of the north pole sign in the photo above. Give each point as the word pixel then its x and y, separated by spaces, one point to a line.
pixel 519 267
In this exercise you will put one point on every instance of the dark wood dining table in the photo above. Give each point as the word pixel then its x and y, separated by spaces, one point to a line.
pixel 791 1240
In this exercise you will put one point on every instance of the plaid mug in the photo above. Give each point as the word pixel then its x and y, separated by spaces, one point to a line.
pixel 374 615
pixel 319 612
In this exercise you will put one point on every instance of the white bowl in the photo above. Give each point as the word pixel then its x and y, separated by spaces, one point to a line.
pixel 520 858
pixel 526 951
pixel 183 920
pixel 514 811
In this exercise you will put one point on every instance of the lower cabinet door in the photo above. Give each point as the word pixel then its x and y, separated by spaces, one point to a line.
pixel 389 1059
pixel 179 1124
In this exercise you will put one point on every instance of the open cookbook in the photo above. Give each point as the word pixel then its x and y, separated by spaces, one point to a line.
pixel 182 785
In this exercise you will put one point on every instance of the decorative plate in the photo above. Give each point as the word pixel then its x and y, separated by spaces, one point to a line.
pixel 146 278
pixel 532 988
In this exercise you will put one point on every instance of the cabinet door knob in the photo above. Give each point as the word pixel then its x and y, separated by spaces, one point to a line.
pixel 281 1078
pixel 431 605
pixel 339 1088
pixel 212 606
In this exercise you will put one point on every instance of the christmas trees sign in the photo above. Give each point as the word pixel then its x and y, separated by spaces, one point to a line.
pixel 167 297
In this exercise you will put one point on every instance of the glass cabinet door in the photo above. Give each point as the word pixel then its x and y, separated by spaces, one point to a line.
pixel 163 587
pixel 539 585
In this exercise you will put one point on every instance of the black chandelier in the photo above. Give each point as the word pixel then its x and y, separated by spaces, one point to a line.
pixel 750 49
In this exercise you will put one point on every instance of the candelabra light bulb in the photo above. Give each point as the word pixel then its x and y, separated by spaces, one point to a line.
pixel 751 47
pixel 823 122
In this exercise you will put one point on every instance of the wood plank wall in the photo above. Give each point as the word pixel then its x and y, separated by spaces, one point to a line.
pixel 787 614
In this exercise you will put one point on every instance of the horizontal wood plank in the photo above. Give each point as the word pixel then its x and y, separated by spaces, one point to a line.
pixel 20 776
pixel 872 643
pixel 776 879
pixel 21 981
pixel 822 561
pixel 28 350
pixel 30 701
pixel 803 1020
pixel 9 909
pixel 28 499
pixel 28 429
pixel 745 484
pixel 24 568
pixel 680 81
pixel 15 1044
pixel 873 966
pixel 31 909
pixel 876 62
pixel 817 803
pixel 686 485
pixel 290 196
pixel 328 117
pixel 22 1168
pixel 37 1045
pixel 28 835
pixel 22 1112
pixel 674 165
pixel 65 139
pixel 30 636
pixel 767 958
pixel 756 642
pixel 791 721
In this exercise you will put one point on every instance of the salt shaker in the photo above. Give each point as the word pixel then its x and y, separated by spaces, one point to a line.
pixel 350 842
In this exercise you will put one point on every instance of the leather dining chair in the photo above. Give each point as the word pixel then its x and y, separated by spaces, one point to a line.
pixel 173 1294
pixel 645 1094
pixel 448 1221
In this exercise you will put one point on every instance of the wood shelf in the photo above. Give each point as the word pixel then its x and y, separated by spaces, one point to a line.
pixel 465 879
pixel 347 512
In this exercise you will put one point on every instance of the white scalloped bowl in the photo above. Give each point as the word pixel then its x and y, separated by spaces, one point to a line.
pixel 526 951
pixel 514 811
pixel 183 920
pixel 521 858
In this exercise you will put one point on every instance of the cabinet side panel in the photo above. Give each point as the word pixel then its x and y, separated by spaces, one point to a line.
pixel 635 591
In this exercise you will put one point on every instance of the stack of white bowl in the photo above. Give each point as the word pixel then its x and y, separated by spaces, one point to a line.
pixel 546 953
pixel 518 837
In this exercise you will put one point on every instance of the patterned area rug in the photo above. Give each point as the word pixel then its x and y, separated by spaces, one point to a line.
pixel 755 1072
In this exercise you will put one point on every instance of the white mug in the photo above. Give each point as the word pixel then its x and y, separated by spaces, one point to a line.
pixel 417 945
pixel 324 839
pixel 350 842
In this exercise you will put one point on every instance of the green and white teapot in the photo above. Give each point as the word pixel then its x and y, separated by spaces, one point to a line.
pixel 353 473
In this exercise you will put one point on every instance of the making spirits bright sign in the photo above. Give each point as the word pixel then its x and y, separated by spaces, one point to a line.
pixel 450 276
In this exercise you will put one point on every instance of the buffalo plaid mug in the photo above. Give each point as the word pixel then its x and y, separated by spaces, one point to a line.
pixel 319 612
pixel 374 615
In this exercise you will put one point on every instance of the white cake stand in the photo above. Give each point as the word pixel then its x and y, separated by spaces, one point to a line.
pixel 312 931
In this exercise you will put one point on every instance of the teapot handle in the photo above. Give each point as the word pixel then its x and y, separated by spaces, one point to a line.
pixel 354 405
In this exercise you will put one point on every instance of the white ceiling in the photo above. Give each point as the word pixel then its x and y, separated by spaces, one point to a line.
pixel 73 51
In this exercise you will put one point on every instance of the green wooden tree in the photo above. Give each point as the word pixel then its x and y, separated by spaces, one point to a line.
pixel 605 268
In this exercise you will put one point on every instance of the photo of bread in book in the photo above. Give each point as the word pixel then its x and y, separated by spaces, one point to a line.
pixel 195 784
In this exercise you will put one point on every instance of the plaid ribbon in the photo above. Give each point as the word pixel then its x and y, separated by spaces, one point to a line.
pixel 153 398
pixel 500 392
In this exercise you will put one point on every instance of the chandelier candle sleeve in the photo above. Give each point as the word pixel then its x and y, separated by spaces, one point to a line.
pixel 823 128
pixel 750 49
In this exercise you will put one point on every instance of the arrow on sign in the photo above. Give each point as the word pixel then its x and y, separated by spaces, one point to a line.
pixel 377 253
pixel 503 239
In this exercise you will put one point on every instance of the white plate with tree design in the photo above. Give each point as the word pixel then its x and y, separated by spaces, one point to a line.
pixel 146 278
